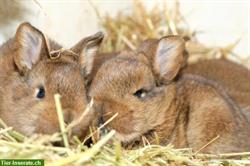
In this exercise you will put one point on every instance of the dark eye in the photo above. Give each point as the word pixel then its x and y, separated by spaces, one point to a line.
pixel 140 93
pixel 40 93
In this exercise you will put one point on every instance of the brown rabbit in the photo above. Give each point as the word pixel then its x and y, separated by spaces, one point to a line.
pixel 234 78
pixel 149 97
pixel 29 78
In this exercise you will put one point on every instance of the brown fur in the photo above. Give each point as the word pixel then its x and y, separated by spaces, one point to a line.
pixel 187 111
pixel 25 66
pixel 234 78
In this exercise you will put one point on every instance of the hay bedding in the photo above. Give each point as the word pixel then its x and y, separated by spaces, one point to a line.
pixel 125 31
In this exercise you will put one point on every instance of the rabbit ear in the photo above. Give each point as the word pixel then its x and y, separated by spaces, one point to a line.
pixel 29 43
pixel 148 47
pixel 168 58
pixel 87 49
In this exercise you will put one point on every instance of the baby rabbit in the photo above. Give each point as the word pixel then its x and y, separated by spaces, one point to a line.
pixel 233 77
pixel 145 90
pixel 29 78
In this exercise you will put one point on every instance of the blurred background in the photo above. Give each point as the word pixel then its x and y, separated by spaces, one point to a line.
pixel 216 22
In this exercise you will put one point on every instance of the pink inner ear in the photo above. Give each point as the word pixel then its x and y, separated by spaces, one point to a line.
pixel 30 48
pixel 169 57
pixel 166 58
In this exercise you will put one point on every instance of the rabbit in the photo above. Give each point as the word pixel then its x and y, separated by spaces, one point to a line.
pixel 233 77
pixel 151 98
pixel 30 75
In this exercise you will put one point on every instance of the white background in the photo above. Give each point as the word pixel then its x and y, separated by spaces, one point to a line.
pixel 222 22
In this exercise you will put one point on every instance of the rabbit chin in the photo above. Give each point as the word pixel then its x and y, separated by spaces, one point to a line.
pixel 126 138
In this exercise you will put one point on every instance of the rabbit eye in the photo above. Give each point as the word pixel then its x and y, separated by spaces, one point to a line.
pixel 40 93
pixel 140 93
